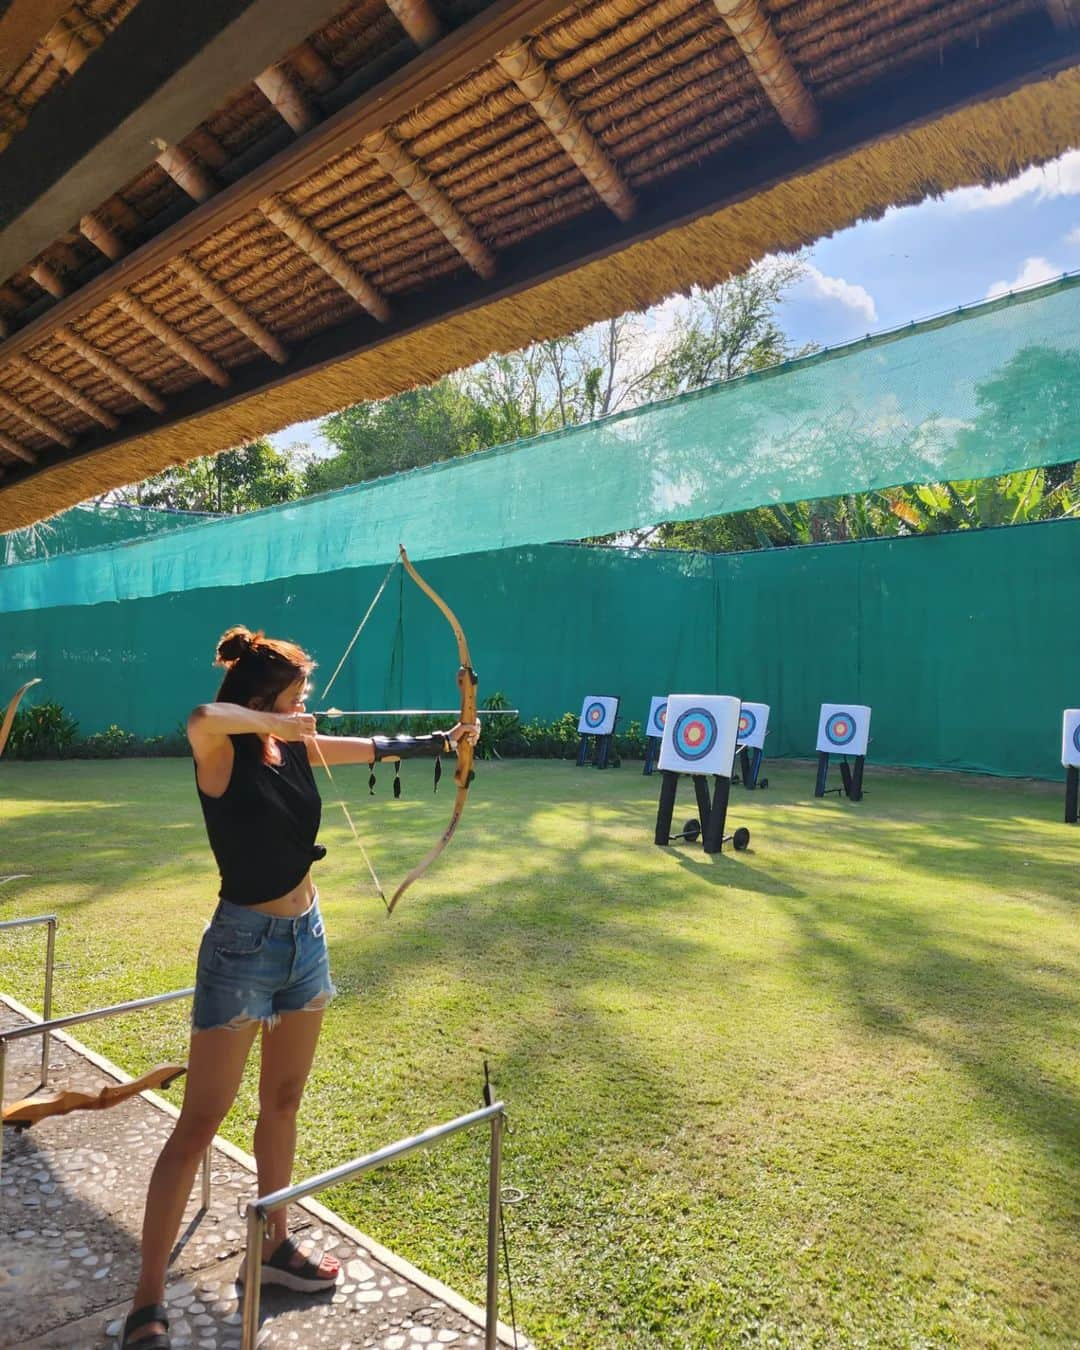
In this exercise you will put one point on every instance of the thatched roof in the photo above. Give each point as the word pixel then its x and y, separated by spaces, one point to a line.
pixel 416 183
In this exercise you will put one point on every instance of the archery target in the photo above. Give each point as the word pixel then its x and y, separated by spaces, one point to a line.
pixel 843 728
pixel 753 724
pixel 699 733
pixel 657 715
pixel 598 713
pixel 1070 738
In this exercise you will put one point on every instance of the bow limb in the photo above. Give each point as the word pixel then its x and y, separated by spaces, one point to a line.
pixel 9 714
pixel 463 774
pixel 58 1102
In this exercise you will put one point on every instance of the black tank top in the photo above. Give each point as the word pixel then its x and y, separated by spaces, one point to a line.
pixel 262 828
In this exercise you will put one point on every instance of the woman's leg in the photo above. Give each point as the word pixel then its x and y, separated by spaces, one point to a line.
pixel 215 1067
pixel 288 1049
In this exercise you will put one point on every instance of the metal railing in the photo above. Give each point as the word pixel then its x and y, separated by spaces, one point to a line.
pixel 46 1007
pixel 46 1027
pixel 258 1210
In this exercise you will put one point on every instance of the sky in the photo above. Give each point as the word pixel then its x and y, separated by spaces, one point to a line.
pixel 967 246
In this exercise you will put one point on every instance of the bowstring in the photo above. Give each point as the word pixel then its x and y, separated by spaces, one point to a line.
pixel 318 748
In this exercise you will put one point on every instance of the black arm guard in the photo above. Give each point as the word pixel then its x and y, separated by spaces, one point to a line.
pixel 411 747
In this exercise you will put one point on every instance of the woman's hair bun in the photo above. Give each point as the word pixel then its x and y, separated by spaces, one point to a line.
pixel 235 643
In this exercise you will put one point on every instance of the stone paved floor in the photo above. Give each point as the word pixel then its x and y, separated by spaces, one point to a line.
pixel 71 1196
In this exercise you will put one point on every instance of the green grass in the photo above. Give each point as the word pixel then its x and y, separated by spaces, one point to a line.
pixel 826 1092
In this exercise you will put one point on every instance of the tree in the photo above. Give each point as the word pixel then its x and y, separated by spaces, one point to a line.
pixel 245 479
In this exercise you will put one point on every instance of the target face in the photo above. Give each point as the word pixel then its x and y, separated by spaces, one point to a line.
pixel 694 733
pixel 657 715
pixel 598 714
pixel 1070 738
pixel 753 724
pixel 844 728
pixel 700 733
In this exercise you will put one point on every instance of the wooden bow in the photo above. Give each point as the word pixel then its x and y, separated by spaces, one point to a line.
pixel 58 1101
pixel 463 774
pixel 9 713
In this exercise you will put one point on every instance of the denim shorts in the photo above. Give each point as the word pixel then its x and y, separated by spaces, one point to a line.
pixel 255 966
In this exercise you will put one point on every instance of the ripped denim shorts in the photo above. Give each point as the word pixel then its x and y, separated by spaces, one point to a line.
pixel 255 966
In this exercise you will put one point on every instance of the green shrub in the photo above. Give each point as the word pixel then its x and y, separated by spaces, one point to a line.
pixel 112 743
pixel 42 732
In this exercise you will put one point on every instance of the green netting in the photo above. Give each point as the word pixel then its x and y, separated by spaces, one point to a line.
pixel 962 644
pixel 85 527
pixel 981 392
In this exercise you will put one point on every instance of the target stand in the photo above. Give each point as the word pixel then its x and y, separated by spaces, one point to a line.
pixel 596 727
pixel 750 747
pixel 843 730
pixel 654 732
pixel 699 740
pixel 1070 758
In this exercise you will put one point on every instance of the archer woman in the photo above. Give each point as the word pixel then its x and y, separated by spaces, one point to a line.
pixel 263 960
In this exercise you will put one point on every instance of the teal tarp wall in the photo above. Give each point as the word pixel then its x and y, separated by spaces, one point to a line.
pixel 965 645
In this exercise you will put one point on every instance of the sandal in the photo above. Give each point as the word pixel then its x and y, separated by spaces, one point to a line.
pixel 141 1317
pixel 302 1276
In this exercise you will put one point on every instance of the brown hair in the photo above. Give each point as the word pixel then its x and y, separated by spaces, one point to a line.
pixel 257 668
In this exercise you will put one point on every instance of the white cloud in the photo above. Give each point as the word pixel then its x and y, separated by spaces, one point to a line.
pixel 1033 272
pixel 1059 178
pixel 1073 237
pixel 846 293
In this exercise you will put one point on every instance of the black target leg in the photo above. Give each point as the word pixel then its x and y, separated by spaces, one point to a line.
pixel 822 772
pixel 845 776
pixel 582 751
pixel 1072 794
pixel 712 836
pixel 704 805
pixel 652 753
pixel 603 746
pixel 856 779
pixel 669 783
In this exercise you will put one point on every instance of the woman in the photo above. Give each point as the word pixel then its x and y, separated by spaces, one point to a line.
pixel 262 962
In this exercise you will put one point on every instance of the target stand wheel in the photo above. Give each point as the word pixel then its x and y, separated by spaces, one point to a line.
pixel 764 783
pixel 689 832
pixel 741 838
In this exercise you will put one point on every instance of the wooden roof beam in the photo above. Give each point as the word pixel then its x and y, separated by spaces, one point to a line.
pixel 765 54
pixel 33 419
pixel 103 239
pixel 186 172
pixel 161 72
pixel 111 369
pixel 385 148
pixel 418 19
pixel 317 72
pixel 49 280
pixel 222 301
pixel 65 391
pixel 542 90
pixel 24 25
pixel 66 46
pixel 19 451
pixel 169 337
pixel 325 255
pixel 286 98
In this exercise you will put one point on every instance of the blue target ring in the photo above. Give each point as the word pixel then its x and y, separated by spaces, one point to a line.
pixel 747 723
pixel 660 718
pixel 595 714
pixel 1076 737
pixel 695 734
pixel 840 729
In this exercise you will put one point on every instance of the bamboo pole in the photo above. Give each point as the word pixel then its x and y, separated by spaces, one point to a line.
pixel 284 95
pixel 384 147
pixel 35 420
pixel 236 314
pixel 108 367
pixel 48 280
pixel 63 390
pixel 325 255
pixel 169 337
pixel 14 448
pixel 553 107
pixel 772 66
pixel 66 46
pixel 186 172
pixel 309 64
pixel 103 239
pixel 418 19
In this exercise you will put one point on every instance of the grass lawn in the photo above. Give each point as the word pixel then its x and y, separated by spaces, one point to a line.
pixel 826 1092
